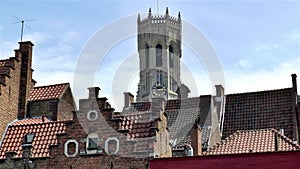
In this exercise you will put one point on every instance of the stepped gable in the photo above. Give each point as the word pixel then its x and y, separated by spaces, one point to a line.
pixel 253 141
pixel 5 67
pixel 45 135
pixel 259 110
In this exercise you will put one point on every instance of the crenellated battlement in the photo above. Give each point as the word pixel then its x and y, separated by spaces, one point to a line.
pixel 160 19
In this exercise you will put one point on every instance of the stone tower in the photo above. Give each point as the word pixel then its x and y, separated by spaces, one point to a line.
pixel 159 47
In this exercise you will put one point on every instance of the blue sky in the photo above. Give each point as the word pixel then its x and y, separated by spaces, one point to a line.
pixel 258 42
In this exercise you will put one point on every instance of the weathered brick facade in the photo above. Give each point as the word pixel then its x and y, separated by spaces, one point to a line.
pixel 15 85
pixel 54 101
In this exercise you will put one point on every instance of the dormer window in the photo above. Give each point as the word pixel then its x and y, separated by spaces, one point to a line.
pixel 28 139
pixel 92 143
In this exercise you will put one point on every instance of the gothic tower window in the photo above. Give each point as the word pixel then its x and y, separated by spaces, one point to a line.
pixel 147 55
pixel 158 55
pixel 171 57
pixel 159 76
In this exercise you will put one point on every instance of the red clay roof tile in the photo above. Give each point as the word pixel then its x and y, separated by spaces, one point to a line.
pixel 16 132
pixel 252 141
pixel 47 92
pixel 259 110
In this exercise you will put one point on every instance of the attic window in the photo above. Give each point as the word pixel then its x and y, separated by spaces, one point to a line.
pixel 92 115
pixel 28 138
pixel 112 145
pixel 92 143
pixel 71 148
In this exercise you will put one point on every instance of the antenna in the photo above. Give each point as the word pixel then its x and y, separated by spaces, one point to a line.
pixel 22 25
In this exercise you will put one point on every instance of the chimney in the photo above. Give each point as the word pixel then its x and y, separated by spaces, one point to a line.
pixel 128 99
pixel 93 92
pixel 294 81
pixel 219 90
pixel 25 76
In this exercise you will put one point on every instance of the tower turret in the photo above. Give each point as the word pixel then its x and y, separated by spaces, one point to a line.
pixel 159 47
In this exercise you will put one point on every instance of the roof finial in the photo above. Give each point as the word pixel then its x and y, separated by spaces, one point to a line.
pixel 179 14
pixel 149 13
pixel 139 18
pixel 167 11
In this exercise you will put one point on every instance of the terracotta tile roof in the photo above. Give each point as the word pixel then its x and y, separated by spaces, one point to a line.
pixel 182 114
pixel 45 134
pixel 259 110
pixel 5 62
pixel 253 141
pixel 138 124
pixel 48 92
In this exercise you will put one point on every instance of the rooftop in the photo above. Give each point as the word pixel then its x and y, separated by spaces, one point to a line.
pixel 253 141
pixel 260 110
pixel 50 92
pixel 45 134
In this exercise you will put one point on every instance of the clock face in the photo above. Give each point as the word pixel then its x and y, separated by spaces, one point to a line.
pixel 159 89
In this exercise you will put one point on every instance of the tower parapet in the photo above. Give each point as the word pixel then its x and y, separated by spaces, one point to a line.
pixel 160 19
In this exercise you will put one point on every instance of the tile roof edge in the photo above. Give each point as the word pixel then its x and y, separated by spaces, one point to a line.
pixel 253 92
pixel 6 128
pixel 216 145
pixel 58 84
pixel 50 121
pixel 64 91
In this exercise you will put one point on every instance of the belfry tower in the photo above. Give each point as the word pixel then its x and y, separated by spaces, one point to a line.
pixel 159 47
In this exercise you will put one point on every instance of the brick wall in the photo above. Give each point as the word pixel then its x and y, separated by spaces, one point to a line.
pixel 75 132
pixel 10 94
pixel 66 105
pixel 16 86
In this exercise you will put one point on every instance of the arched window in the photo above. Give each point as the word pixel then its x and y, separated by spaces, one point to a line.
pixel 158 55
pixel 147 55
pixel 171 57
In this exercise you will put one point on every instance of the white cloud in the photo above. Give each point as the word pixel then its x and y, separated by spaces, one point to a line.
pixel 244 63
pixel 37 37
pixel 293 36
pixel 262 79
pixel 7 49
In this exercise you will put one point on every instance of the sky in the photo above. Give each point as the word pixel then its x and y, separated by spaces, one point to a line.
pixel 257 42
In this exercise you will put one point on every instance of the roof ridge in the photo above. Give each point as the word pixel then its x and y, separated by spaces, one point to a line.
pixel 58 84
pixel 259 91
pixel 37 123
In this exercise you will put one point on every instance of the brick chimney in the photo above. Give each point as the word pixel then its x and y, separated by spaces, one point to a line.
pixel 294 81
pixel 93 92
pixel 25 77
pixel 128 99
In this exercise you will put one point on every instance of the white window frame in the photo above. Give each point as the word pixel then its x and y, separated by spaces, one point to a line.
pixel 88 116
pixel 66 148
pixel 117 146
